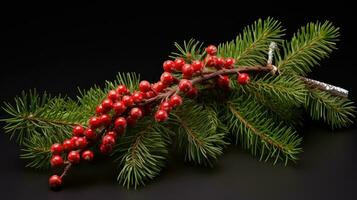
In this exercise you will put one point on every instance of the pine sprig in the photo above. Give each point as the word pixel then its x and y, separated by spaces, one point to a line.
pixel 250 48
pixel 335 111
pixel 307 47
pixel 142 153
pixel 258 133
pixel 191 50
pixel 200 133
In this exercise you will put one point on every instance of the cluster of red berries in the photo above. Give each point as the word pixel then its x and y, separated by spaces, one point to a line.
pixel 122 108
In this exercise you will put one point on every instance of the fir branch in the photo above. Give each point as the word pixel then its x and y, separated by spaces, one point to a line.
pixel 250 47
pixel 307 47
pixel 200 133
pixel 334 110
pixel 191 50
pixel 251 126
pixel 142 153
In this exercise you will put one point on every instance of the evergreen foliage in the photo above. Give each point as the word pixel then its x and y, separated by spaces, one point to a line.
pixel 260 117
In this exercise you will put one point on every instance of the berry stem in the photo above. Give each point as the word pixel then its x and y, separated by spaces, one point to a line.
pixel 66 169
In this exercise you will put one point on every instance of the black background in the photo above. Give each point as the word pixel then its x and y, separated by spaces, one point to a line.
pixel 59 47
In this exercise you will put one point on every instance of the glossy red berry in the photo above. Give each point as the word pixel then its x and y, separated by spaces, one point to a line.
pixel 113 95
pixel 165 106
pixel 81 142
pixel 144 86
pixel 56 161
pixel 197 65
pixel 56 149
pixel 88 155
pixel 68 145
pixel 105 149
pixel 243 78
pixel 185 85
pixel 179 63
pixel 168 65
pixel 150 94
pixel 73 140
pixel 128 100
pixel 158 87
pixel 223 81
pixel 161 116
pixel 107 104
pixel 99 110
pixel 166 78
pixel 90 134
pixel 120 123
pixel 122 89
pixel 119 107
pixel 219 63
pixel 137 97
pixel 55 181
pixel 136 113
pixel 94 122
pixel 211 61
pixel 105 120
pixel 113 134
pixel 187 70
pixel 229 64
pixel 211 50
pixel 175 100
pixel 192 93
pixel 74 157
pixel 108 140
pixel 78 130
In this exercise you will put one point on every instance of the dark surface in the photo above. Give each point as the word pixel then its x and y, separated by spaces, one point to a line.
pixel 81 45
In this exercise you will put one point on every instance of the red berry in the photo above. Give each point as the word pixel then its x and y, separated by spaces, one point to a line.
pixel 179 63
pixel 165 106
pixel 137 97
pixel 130 121
pixel 175 100
pixel 105 120
pixel 185 85
pixel 120 123
pixel 192 93
pixel 219 63
pixel 74 140
pixel 94 122
pixel 122 89
pixel 81 142
pixel 68 145
pixel 223 81
pixel 211 61
pixel 243 78
pixel 55 181
pixel 150 94
pixel 113 134
pixel 211 50
pixel 144 86
pixel 113 95
pixel 128 100
pixel 197 65
pixel 56 149
pixel 74 157
pixel 87 155
pixel 90 134
pixel 168 65
pixel 158 87
pixel 105 149
pixel 99 110
pixel 56 161
pixel 78 130
pixel 108 140
pixel 136 113
pixel 229 64
pixel 166 78
pixel 187 70
pixel 119 107
pixel 161 116
pixel 107 104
